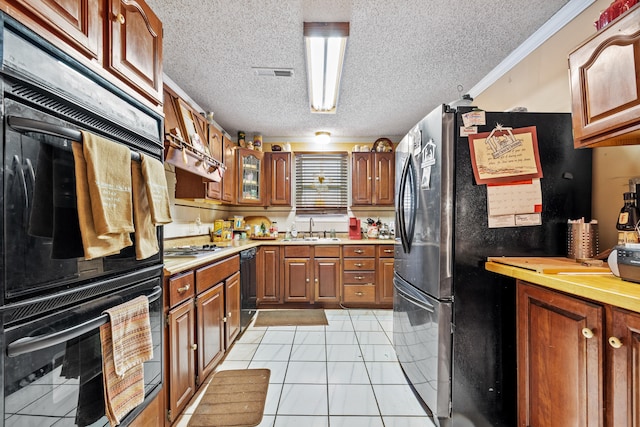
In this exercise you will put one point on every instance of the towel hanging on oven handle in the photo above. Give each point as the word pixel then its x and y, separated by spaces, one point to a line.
pixel 31 344
pixel 23 124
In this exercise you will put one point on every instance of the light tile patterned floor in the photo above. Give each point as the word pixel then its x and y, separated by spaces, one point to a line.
pixel 342 375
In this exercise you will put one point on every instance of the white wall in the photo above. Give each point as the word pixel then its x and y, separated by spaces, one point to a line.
pixel 541 83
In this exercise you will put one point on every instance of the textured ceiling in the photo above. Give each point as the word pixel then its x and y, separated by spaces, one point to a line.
pixel 403 58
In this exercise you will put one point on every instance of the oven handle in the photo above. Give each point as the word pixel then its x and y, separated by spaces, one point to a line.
pixel 23 124
pixel 30 344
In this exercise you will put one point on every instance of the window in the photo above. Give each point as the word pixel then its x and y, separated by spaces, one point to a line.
pixel 321 182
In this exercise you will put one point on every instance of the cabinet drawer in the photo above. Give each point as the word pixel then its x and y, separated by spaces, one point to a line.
pixel 359 251
pixel 181 287
pixel 297 251
pixel 359 264
pixel 360 293
pixel 216 272
pixel 385 251
pixel 327 251
pixel 359 277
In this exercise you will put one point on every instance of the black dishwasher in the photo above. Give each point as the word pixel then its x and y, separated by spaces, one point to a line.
pixel 248 294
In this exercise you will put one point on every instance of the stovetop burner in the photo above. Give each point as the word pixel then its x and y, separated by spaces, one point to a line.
pixel 190 251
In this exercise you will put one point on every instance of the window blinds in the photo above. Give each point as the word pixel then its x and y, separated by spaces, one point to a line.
pixel 321 181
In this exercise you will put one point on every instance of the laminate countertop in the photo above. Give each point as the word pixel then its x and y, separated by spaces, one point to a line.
pixel 603 288
pixel 178 264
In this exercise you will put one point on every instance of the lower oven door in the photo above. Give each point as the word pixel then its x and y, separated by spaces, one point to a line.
pixel 422 338
pixel 53 364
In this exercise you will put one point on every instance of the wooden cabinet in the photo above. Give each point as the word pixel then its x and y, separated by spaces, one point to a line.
pixel 278 178
pixel 229 178
pixel 560 359
pixel 384 272
pixel 359 274
pixel 119 39
pixel 326 273
pixel 214 142
pixel 623 396
pixel 268 275
pixel 181 378
pixel 135 46
pixel 203 320
pixel 232 307
pixel 250 177
pixel 605 82
pixel 297 278
pixel 372 178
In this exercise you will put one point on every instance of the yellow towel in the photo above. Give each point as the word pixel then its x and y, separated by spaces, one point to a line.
pixel 94 247
pixel 121 393
pixel 146 237
pixel 131 333
pixel 153 172
pixel 109 177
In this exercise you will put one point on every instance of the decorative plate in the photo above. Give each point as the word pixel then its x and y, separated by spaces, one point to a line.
pixel 382 145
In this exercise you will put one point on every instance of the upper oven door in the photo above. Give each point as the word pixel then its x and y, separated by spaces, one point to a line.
pixel 42 246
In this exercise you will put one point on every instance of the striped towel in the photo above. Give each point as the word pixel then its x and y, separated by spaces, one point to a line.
pixel 126 344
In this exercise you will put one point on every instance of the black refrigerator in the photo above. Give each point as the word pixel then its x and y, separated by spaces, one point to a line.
pixel 453 321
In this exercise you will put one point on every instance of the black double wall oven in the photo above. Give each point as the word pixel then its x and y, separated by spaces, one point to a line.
pixel 52 299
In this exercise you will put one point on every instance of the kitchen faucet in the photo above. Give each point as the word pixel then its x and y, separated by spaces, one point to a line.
pixel 310 227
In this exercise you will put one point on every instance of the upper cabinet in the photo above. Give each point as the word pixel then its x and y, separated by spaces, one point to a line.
pixel 372 178
pixel 278 178
pixel 605 85
pixel 250 176
pixel 119 39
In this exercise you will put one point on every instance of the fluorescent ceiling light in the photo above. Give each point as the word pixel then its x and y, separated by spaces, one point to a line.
pixel 325 43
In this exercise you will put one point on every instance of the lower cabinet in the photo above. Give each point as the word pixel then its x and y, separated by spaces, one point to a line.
pixel 268 275
pixel 326 274
pixel 385 275
pixel 359 274
pixel 202 322
pixel 578 361
pixel 312 274
pixel 297 274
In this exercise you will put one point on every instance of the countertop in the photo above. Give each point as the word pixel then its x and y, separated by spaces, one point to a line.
pixel 604 288
pixel 179 264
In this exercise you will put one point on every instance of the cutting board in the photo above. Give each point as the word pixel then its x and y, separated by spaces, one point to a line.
pixel 551 265
pixel 257 220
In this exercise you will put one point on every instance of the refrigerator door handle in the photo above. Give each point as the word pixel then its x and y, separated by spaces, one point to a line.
pixel 407 230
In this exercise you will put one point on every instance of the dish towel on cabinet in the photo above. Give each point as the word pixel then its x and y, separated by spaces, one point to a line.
pixel 126 344
pixel 146 237
pixel 157 192
pixel 94 246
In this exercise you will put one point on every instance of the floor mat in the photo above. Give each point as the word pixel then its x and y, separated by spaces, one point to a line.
pixel 303 317
pixel 233 398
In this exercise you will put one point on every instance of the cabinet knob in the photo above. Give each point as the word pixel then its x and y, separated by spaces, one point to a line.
pixel 194 347
pixel 369 178
pixel 358 264
pixel 615 342
pixel 316 280
pixel 229 314
pixel 588 333
pixel 358 277
pixel 388 251
pixel 121 19
pixel 359 294
pixel 308 280
pixel 358 251
pixel 184 289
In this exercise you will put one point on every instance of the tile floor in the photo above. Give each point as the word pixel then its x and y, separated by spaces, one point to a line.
pixel 342 375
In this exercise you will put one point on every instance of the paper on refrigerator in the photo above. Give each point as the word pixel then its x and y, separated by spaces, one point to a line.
pixel 515 204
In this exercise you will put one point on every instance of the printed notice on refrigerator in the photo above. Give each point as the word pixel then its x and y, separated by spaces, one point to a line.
pixel 514 204
pixel 505 155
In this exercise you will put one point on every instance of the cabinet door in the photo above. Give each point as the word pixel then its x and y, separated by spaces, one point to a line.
pixel 77 22
pixel 210 330
pixel 385 281
pixel 268 275
pixel 560 340
pixel 605 85
pixel 135 46
pixel 623 350
pixel 181 373
pixel 361 178
pixel 384 182
pixel 214 189
pixel 327 279
pixel 250 179
pixel 232 308
pixel 297 280
pixel 279 179
pixel 229 178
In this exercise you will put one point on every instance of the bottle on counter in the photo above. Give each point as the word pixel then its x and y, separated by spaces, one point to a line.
pixel 628 220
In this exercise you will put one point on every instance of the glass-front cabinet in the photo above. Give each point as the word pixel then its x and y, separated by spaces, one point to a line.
pixel 250 179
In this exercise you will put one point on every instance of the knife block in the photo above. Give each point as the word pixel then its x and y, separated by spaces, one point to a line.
pixel 354 229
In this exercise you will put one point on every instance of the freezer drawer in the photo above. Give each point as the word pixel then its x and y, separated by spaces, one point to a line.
pixel 422 339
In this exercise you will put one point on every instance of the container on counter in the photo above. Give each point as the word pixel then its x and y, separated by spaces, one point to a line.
pixel 582 239
pixel 628 220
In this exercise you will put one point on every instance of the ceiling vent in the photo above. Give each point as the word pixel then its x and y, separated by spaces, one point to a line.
pixel 273 72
